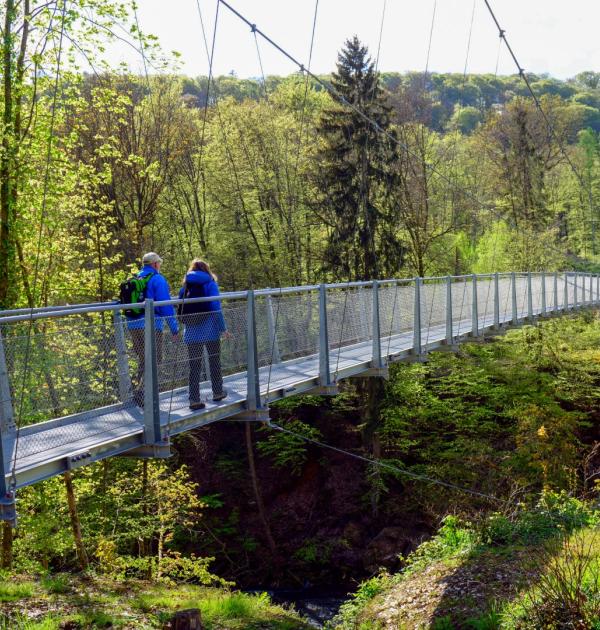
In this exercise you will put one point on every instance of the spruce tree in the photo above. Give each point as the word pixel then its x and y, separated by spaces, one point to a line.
pixel 355 172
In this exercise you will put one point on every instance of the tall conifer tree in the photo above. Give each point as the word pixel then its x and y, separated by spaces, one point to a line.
pixel 355 174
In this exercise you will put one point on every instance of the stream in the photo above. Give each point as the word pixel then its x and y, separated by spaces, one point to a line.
pixel 317 605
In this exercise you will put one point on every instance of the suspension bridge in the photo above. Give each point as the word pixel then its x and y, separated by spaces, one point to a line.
pixel 68 380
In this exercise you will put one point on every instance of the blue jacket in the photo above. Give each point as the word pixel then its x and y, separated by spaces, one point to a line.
pixel 157 289
pixel 209 325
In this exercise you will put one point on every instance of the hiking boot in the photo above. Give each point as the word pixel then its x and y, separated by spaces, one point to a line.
pixel 194 406
pixel 221 396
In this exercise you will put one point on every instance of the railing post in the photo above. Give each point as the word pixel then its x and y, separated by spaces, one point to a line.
pixel 417 349
pixel 555 304
pixel 324 369
pixel 474 310
pixel 7 427
pixel 253 402
pixel 273 343
pixel 122 359
pixel 590 294
pixel 515 312
pixel 151 407
pixel 376 360
pixel 496 301
pixel 576 280
pixel 566 293
pixel 529 297
pixel 449 331
pixel 543 278
pixel 597 288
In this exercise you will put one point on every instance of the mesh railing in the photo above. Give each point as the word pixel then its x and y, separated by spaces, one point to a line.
pixel 88 367
pixel 67 366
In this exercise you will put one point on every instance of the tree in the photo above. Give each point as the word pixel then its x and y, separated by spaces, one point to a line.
pixel 355 175
pixel 38 38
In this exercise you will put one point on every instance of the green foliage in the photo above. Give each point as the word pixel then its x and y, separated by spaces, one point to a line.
pixel 554 513
pixel 453 537
pixel 348 614
pixel 288 451
pixel 12 592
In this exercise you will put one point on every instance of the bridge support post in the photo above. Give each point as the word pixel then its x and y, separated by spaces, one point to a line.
pixel 326 386
pixel 378 366
pixel 7 427
pixel 474 308
pixel 122 359
pixel 151 409
pixel 273 344
pixel 417 349
pixel 515 312
pixel 496 301
pixel 543 277
pixel 449 331
pixel 529 297
pixel 254 406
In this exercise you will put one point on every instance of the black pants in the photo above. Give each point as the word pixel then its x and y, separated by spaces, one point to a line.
pixel 197 367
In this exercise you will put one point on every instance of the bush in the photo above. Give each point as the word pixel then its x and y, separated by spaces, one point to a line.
pixel 555 513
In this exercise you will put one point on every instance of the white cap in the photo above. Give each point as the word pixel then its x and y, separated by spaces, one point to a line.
pixel 151 258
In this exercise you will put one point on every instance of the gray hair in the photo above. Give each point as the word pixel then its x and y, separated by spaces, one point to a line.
pixel 151 258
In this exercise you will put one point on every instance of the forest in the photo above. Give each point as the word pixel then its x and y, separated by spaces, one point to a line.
pixel 285 181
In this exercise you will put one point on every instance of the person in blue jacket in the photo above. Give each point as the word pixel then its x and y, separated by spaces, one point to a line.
pixel 204 326
pixel 157 289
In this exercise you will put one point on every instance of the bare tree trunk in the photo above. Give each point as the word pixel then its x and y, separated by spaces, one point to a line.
pixel 7 545
pixel 75 522
pixel 257 492
pixel 6 206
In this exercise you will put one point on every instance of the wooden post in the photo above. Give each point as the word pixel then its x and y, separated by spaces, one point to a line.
pixel 75 522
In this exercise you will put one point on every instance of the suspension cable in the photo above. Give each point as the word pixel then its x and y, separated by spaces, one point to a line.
pixel 430 36
pixel 382 464
pixel 536 100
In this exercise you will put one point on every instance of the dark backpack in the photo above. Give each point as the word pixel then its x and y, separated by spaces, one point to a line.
pixel 132 291
pixel 192 291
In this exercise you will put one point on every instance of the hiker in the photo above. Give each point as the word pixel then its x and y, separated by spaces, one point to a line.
pixel 204 325
pixel 156 288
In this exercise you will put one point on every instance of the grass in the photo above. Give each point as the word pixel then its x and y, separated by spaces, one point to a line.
pixel 94 603
pixel 14 591
pixel 218 608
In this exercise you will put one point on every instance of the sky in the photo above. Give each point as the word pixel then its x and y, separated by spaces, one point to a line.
pixel 559 37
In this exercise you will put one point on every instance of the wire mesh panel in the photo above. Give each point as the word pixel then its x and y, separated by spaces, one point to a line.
pixel 287 327
pixel 396 314
pixel 521 289
pixel 70 367
pixel 433 310
pixel 505 284
pixel 462 305
pixel 536 293
pixel 350 325
pixel 485 300
pixel 549 283
pixel 570 291
pixel 208 356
